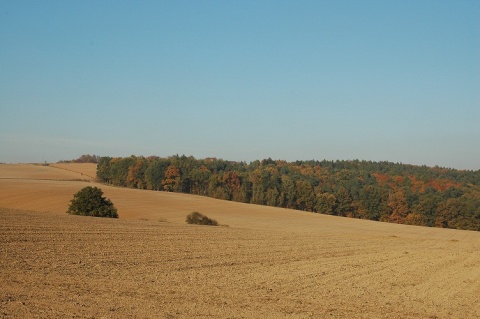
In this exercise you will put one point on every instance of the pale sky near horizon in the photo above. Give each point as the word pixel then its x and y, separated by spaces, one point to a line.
pixel 241 80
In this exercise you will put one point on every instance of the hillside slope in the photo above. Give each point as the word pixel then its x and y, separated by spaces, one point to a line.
pixel 45 188
pixel 269 262
pixel 379 191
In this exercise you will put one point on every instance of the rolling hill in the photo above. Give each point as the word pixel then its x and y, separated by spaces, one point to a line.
pixel 269 262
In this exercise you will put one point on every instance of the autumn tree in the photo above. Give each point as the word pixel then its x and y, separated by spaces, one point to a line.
pixel 136 174
pixel 171 182
pixel 231 182
pixel 398 206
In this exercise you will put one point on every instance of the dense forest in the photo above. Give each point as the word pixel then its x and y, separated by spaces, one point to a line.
pixel 383 191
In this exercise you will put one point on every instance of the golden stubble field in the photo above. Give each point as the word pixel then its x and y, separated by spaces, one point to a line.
pixel 268 262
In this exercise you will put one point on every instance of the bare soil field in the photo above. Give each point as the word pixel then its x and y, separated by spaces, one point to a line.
pixel 86 170
pixel 42 172
pixel 268 262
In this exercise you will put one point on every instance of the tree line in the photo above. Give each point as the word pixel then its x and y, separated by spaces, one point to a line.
pixel 86 158
pixel 382 191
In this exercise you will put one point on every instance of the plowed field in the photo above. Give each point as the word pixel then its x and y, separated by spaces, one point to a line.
pixel 268 262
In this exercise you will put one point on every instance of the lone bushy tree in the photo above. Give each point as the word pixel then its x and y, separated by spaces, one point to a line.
pixel 200 219
pixel 90 202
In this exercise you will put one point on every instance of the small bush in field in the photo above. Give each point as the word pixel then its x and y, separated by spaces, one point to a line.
pixel 200 219
pixel 90 202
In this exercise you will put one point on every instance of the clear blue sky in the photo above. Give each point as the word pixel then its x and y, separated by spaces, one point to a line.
pixel 241 80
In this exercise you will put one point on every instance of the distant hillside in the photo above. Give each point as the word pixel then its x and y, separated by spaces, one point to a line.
pixel 384 191
pixel 86 158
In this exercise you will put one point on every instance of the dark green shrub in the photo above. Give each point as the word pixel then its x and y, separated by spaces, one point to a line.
pixel 90 202
pixel 200 219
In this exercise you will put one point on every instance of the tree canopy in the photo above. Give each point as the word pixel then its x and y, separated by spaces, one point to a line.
pixel 89 201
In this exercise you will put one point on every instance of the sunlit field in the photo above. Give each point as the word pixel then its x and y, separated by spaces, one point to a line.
pixel 262 262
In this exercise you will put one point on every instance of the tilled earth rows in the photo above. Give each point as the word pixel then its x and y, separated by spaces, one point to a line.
pixel 61 266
